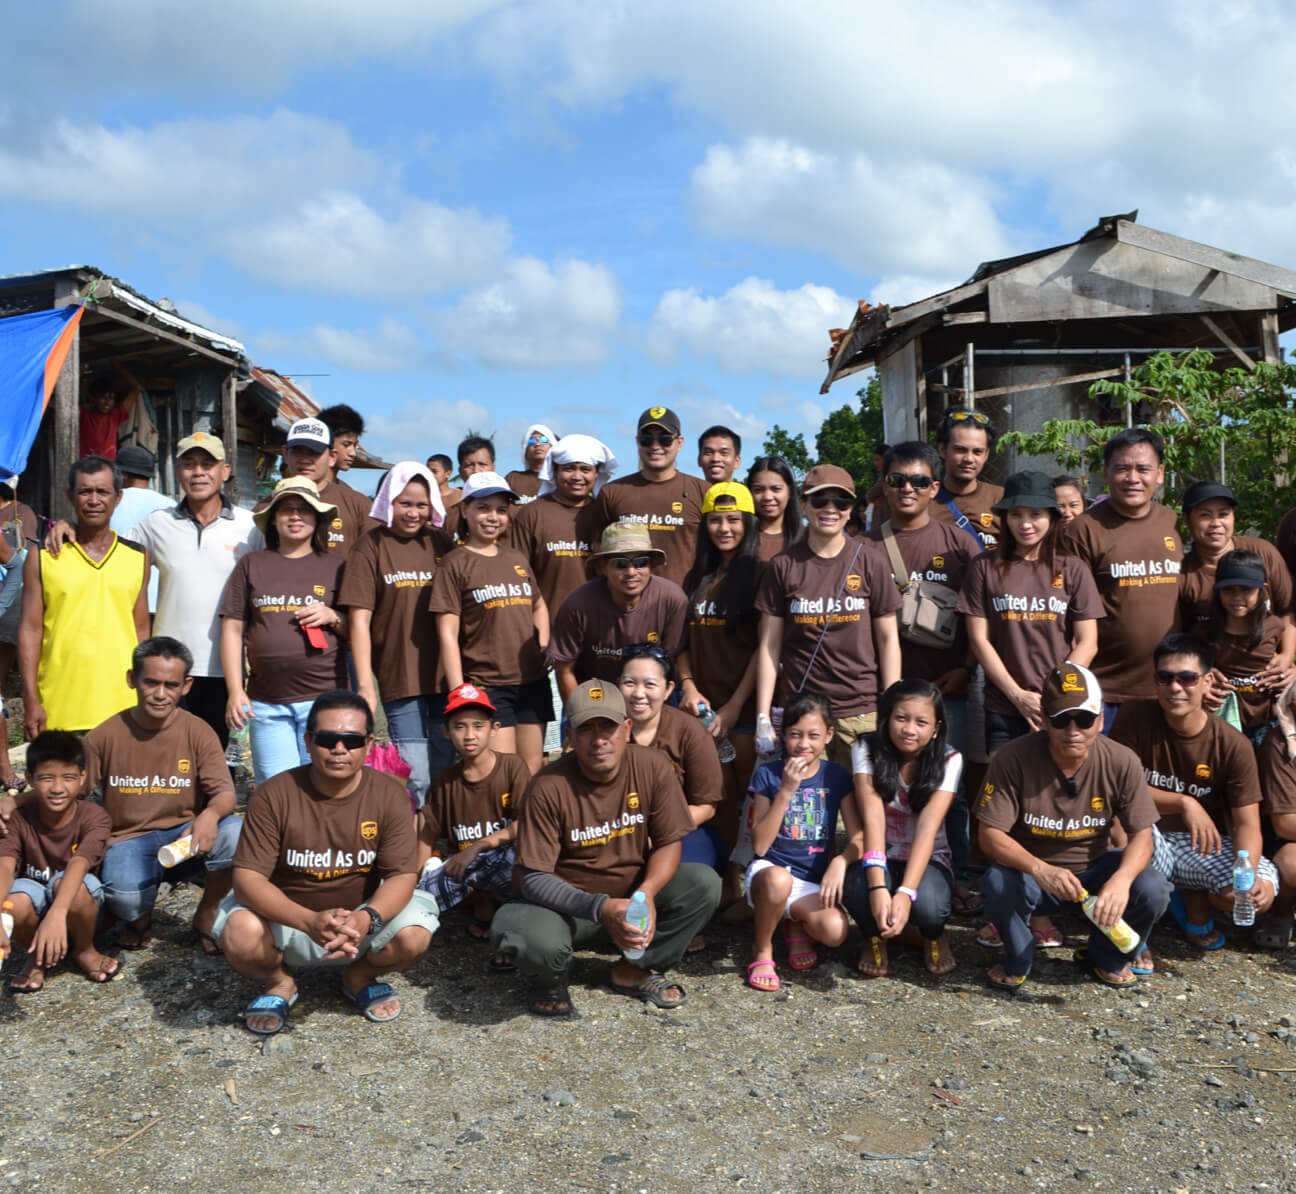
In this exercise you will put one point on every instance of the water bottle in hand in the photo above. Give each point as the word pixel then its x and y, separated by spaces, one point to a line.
pixel 724 748
pixel 637 918
pixel 1243 882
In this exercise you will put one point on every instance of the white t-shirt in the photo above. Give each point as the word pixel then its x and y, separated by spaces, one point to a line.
pixel 901 820
pixel 137 504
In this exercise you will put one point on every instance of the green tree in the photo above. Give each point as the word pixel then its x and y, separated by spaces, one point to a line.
pixel 1230 424
pixel 847 436
pixel 781 442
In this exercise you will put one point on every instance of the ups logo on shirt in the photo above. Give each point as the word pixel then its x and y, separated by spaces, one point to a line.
pixel 318 590
pixel 654 637
pixel 1057 580
pixel 368 830
pixel 853 582
pixel 632 801
pixel 519 570
pixel 183 766
pixel 987 519
pixel 1169 542
pixel 677 507
pixel 938 561
pixel 1203 771
pixel 506 800
pixel 1097 804
pixel 336 524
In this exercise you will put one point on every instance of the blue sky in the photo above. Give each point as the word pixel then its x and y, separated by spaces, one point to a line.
pixel 478 212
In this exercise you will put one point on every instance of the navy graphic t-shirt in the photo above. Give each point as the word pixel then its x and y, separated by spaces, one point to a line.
pixel 805 839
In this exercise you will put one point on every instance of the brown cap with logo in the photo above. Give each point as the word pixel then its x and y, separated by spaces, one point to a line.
pixel 595 698
pixel 1070 688
pixel 827 476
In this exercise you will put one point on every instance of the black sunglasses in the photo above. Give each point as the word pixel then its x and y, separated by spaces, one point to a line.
pixel 819 500
pixel 663 439
pixel 1187 679
pixel 917 480
pixel 621 563
pixel 328 739
pixel 1082 718
pixel 969 416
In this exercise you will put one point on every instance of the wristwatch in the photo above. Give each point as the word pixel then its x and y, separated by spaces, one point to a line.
pixel 376 922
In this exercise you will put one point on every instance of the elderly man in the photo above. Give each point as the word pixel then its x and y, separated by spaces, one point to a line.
pixel 1046 814
pixel 601 824
pixel 625 604
pixel 325 874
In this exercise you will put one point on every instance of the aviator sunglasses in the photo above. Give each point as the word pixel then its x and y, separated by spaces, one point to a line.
pixel 621 563
pixel 969 416
pixel 1165 678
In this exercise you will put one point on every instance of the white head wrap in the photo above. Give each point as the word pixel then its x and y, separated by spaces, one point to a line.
pixel 538 429
pixel 394 484
pixel 578 449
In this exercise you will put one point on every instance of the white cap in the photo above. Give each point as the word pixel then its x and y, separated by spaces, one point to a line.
pixel 480 485
pixel 309 433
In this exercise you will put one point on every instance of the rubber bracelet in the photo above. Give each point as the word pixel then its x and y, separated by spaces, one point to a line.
pixel 909 891
pixel 877 887
pixel 875 856
pixel 882 866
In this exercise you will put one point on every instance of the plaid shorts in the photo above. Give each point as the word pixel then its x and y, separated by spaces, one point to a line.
pixel 1174 857
pixel 491 871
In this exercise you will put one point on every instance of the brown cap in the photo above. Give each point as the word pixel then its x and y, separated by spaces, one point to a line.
pixel 595 698
pixel 211 444
pixel 1069 688
pixel 624 539
pixel 827 476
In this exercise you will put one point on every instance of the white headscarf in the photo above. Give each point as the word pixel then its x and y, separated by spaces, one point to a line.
pixel 578 449
pixel 393 486
pixel 538 429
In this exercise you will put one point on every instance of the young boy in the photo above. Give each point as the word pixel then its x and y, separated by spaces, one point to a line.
pixel 53 844
pixel 472 805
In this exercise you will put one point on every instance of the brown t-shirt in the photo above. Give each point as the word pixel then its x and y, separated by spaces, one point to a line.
pixel 464 811
pixel 495 598
pixel 1026 796
pixel 590 631
pixel 352 519
pixel 976 505
pixel 834 600
pixel 1029 611
pixel 1216 765
pixel 1242 664
pixel 670 510
pixel 937 552
pixel 597 837
pixel 769 546
pixel 1135 562
pixel 1285 540
pixel 41 852
pixel 265 590
pixel 1197 582
pixel 324 853
pixel 390 576
pixel 154 779
pixel 718 656
pixel 684 740
pixel 525 484
pixel 1277 775
pixel 557 539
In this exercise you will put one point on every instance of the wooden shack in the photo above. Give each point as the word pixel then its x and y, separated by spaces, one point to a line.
pixel 1025 337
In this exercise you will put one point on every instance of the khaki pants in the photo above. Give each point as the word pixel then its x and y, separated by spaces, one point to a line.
pixel 845 731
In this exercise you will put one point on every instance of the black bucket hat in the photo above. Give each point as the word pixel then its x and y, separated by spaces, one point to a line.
pixel 1030 489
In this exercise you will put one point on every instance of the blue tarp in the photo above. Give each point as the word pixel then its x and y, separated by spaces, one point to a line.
pixel 26 344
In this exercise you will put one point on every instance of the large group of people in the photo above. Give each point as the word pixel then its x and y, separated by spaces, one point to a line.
pixel 773 697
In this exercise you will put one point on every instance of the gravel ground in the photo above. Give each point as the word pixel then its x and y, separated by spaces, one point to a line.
pixel 151 1084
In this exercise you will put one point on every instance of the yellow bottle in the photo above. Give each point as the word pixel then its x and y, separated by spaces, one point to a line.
pixel 1120 934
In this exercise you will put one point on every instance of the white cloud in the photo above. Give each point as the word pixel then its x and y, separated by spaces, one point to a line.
pixel 753 327
pixel 390 346
pixel 424 426
pixel 537 316
pixel 897 290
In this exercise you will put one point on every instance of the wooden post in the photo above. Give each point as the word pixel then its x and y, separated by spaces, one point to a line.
pixel 229 426
pixel 920 385
pixel 969 376
pixel 1269 350
pixel 67 404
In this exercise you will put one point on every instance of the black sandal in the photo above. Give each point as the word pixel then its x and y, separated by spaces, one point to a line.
pixel 538 996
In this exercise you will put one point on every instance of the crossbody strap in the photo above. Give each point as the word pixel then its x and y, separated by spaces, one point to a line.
pixel 961 520
pixel 898 569
pixel 805 675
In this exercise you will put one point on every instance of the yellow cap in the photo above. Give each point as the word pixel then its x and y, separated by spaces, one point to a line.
pixel 728 495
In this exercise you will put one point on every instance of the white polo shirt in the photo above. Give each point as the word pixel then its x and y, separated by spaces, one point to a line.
pixel 194 562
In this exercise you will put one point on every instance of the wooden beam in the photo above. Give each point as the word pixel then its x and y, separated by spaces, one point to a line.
pixel 161 334
pixel 1269 338
pixel 1228 341
pixel 67 409
pixel 1207 255
pixel 900 316
pixel 229 425
pixel 1045 384
pixel 957 317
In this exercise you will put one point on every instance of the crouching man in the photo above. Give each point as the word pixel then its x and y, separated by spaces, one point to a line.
pixel 324 874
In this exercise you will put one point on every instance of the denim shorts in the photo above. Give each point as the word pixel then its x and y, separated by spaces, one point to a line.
pixel 41 892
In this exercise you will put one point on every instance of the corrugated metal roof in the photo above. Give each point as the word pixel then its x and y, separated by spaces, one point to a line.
pixel 294 404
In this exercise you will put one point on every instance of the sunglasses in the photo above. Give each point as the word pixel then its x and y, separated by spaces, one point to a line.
pixel 537 439
pixel 969 416
pixel 328 739
pixel 663 439
pixel 621 563
pixel 1081 717
pixel 1187 679
pixel 917 480
pixel 820 500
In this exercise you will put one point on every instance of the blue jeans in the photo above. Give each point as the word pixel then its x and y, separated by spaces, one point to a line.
pixel 705 846
pixel 1109 715
pixel 930 910
pixel 42 893
pixel 276 734
pixel 956 820
pixel 131 871
pixel 417 727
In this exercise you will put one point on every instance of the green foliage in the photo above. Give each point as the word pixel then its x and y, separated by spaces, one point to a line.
pixel 847 436
pixel 1208 417
pixel 781 442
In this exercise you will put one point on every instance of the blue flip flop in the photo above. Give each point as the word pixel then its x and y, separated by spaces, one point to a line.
pixel 366 997
pixel 1179 910
pixel 268 1005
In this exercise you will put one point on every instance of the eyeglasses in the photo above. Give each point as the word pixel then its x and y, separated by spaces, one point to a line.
pixel 328 739
pixel 1081 717
pixel 917 480
pixel 621 563
pixel 969 416
pixel 818 501
pixel 537 439
pixel 1186 679
pixel 663 439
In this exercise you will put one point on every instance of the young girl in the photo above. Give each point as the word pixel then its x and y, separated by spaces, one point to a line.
pixel 1245 637
pixel 795 805
pixel 778 509
pixel 905 779
pixel 492 623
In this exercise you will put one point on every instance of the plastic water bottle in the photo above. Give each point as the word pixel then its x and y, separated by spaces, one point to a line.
pixel 1121 935
pixel 238 741
pixel 637 918
pixel 766 740
pixel 724 748
pixel 1243 882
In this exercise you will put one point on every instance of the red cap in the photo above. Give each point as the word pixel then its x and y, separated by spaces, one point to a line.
pixel 468 696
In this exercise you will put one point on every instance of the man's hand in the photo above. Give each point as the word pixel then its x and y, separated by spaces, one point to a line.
pixel 49 945
pixel 457 864
pixel 623 935
pixel 954 683
pixel 318 614
pixel 328 928
pixel 33 719
pixel 345 943
pixel 59 533
pixel 8 806
pixel 1203 834
pixel 1111 902
pixel 1262 895
pixel 203 829
pixel 1058 881
pixel 1277 674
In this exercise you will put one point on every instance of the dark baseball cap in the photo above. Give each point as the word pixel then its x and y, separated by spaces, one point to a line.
pixel 135 460
pixel 1203 491
pixel 660 416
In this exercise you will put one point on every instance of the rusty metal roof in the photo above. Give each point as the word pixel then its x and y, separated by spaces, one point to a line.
pixel 294 403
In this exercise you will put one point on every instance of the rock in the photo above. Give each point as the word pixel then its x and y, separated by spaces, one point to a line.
pixel 623 1113
pixel 275 1045
pixel 1252 1038
pixel 1288 1020
pixel 1118 1074
pixel 470 1137
pixel 614 1159
pixel 955 1084
pixel 724 965
pixel 836 970
pixel 559 1097
pixel 1211 1080
pixel 876 1059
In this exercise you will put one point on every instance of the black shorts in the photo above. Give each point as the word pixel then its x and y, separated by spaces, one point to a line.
pixel 523 704
pixel 1003 728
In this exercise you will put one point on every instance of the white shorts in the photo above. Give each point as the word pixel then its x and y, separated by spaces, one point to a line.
pixel 800 887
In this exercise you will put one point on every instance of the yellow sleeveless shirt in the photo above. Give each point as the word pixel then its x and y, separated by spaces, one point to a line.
pixel 88 633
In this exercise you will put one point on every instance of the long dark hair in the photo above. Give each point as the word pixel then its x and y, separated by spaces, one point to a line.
pixel 1008 549
pixel 793 526
pixel 886 759
pixel 738 589
pixel 1218 621
pixel 319 540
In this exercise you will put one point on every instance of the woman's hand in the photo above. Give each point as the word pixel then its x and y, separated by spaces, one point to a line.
pixel 238 709
pixel 830 886
pixel 691 699
pixel 1028 705
pixel 319 614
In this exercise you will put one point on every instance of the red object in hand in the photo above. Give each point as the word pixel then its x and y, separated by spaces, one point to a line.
pixel 315 636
